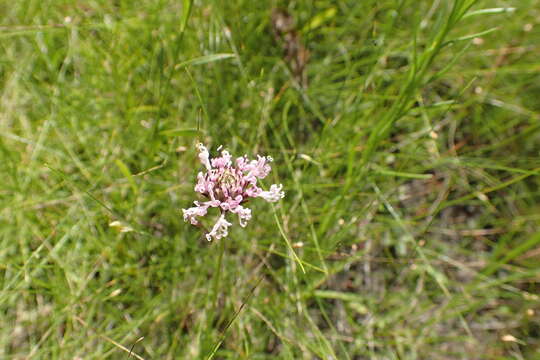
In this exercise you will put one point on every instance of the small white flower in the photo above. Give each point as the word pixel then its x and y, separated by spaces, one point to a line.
pixel 244 214
pixel 204 156
pixel 191 213
pixel 274 194
pixel 220 229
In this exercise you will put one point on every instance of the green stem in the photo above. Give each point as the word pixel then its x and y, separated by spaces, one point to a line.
pixel 217 273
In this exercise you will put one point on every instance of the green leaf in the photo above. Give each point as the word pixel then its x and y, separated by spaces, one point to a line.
pixel 125 171
pixel 402 174
pixel 355 301
pixel 181 132
pixel 489 11
pixel 205 60
pixel 472 36
pixel 185 14
pixel 319 19
pixel 512 254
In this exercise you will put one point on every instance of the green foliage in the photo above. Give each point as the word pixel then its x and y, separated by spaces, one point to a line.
pixel 406 134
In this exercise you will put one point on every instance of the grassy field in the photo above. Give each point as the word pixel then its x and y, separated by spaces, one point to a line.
pixel 406 135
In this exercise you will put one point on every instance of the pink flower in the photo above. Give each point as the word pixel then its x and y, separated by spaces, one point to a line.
pixel 227 185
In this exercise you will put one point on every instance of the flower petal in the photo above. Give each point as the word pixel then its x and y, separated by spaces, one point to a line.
pixel 223 161
pixel 220 229
pixel 244 214
pixel 274 194
pixel 191 213
pixel 204 156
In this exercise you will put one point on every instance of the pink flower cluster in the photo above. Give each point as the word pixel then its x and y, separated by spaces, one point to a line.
pixel 227 185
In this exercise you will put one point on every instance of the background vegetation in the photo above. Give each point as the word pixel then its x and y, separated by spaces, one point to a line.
pixel 406 134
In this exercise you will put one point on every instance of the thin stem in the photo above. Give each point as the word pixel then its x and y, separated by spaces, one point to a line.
pixel 217 273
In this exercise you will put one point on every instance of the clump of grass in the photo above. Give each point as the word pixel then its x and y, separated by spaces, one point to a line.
pixel 406 136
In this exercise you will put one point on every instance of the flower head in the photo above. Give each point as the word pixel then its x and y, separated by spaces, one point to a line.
pixel 226 185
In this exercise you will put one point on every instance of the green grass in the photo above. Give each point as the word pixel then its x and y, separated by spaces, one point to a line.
pixel 410 159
